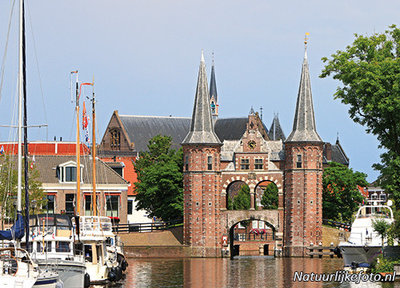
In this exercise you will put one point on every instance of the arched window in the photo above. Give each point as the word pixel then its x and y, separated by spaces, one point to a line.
pixel 115 139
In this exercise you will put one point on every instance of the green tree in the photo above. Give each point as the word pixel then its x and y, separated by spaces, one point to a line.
pixel 369 70
pixel 269 199
pixel 340 194
pixel 8 188
pixel 160 180
pixel 242 200
pixel 381 227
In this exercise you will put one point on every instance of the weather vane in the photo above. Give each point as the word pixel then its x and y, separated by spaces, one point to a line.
pixel 306 38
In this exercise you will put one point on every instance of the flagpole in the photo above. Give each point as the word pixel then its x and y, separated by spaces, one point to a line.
pixel 78 153
pixel 94 198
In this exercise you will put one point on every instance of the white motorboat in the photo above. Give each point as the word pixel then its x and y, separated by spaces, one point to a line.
pixel 115 245
pixel 101 263
pixel 53 247
pixel 364 244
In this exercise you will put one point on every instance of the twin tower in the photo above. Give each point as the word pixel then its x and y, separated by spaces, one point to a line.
pixel 301 169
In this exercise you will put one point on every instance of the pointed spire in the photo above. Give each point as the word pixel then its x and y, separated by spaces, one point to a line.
pixel 251 111
pixel 201 128
pixel 213 83
pixel 304 129
pixel 276 132
pixel 213 93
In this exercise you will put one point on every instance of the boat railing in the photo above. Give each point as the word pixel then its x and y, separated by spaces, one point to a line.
pixel 95 226
pixel 11 259
pixel 383 211
pixel 54 231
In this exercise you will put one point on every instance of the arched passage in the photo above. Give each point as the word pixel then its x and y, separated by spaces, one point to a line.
pixel 238 196
pixel 266 195
pixel 252 237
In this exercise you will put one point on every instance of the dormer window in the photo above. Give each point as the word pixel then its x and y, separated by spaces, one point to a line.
pixel 115 139
pixel 66 172
pixel 70 174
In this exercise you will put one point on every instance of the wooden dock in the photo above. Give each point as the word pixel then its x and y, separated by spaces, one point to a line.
pixel 320 251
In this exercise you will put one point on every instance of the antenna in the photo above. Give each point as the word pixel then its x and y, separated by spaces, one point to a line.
pixel 261 114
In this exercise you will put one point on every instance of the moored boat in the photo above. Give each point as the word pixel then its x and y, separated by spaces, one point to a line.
pixel 53 247
pixel 101 263
pixel 364 244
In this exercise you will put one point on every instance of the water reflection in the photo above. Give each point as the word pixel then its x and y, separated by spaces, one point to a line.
pixel 241 272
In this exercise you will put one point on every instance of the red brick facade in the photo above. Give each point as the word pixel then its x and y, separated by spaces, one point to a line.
pixel 202 186
pixel 303 197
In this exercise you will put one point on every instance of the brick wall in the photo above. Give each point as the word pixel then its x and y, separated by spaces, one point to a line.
pixel 202 219
pixel 303 197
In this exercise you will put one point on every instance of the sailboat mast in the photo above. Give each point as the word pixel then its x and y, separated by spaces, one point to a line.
pixel 94 200
pixel 78 154
pixel 20 97
pixel 25 132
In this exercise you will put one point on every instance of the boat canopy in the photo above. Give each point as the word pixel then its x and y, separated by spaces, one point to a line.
pixel 16 231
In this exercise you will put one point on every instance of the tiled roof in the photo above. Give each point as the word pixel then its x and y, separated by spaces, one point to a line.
pixel 142 128
pixel 47 167
pixel 230 128
pixel 338 155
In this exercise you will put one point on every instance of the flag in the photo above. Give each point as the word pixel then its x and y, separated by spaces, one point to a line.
pixel 84 117
pixel 33 162
pixel 87 139
pixel 2 150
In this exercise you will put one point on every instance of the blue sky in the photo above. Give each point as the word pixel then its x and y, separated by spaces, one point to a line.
pixel 144 56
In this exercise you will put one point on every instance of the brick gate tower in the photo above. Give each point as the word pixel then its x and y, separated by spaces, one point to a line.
pixel 202 177
pixel 303 174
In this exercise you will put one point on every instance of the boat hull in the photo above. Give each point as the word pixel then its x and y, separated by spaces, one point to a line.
pixel 47 280
pixel 71 274
pixel 98 273
pixel 355 255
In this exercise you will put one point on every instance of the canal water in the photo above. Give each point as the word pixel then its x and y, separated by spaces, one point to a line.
pixel 240 273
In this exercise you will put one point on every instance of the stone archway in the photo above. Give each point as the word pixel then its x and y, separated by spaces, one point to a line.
pixel 263 241
pixel 232 190
pixel 266 187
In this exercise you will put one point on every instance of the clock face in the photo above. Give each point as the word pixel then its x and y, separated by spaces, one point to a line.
pixel 252 144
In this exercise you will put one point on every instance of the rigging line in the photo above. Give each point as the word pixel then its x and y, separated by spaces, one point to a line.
pixel 38 71
pixel 3 64
pixel 5 50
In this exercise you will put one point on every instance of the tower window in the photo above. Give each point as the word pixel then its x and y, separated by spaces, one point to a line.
pixel 186 162
pixel 244 164
pixel 299 161
pixel 258 164
pixel 213 107
pixel 209 162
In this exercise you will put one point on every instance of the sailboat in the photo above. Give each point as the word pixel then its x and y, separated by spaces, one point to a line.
pixel 55 246
pixel 17 269
pixel 95 230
